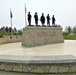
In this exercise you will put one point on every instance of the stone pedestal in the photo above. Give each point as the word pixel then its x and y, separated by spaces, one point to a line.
pixel 37 36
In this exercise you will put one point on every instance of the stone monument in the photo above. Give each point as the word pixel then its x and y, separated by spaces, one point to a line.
pixel 38 36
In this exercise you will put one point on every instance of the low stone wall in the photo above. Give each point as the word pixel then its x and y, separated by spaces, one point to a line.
pixel 39 64
pixel 37 36
pixel 10 39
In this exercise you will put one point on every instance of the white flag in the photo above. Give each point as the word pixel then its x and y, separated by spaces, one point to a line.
pixel 25 8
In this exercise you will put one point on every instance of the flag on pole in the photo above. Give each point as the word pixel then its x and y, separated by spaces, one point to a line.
pixel 11 14
pixel 25 15
pixel 25 8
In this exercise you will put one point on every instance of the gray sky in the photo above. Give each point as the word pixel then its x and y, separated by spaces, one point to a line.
pixel 64 11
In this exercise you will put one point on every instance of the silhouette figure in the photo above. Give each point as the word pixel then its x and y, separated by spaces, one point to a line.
pixel 53 20
pixel 48 20
pixel 42 19
pixel 29 18
pixel 36 18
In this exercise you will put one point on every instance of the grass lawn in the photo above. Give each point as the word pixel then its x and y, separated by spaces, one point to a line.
pixel 70 37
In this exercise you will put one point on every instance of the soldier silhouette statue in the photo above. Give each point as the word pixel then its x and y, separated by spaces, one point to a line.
pixel 48 20
pixel 29 18
pixel 36 18
pixel 53 20
pixel 42 19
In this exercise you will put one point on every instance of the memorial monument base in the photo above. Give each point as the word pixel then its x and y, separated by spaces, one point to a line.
pixel 37 36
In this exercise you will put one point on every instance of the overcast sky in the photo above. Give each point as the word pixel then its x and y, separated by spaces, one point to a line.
pixel 64 11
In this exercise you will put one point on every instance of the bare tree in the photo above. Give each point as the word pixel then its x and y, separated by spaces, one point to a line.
pixel 68 29
pixel 74 30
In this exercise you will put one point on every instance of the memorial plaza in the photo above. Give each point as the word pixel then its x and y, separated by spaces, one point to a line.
pixel 66 48
pixel 14 51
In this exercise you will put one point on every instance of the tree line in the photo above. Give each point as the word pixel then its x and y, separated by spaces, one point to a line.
pixel 7 31
pixel 70 30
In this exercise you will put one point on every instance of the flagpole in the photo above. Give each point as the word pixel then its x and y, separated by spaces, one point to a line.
pixel 11 27
pixel 25 15
pixel 11 21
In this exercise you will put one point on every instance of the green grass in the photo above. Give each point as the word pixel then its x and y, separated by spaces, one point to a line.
pixel 70 37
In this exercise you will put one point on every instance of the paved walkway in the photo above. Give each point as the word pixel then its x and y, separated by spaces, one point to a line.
pixel 66 48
